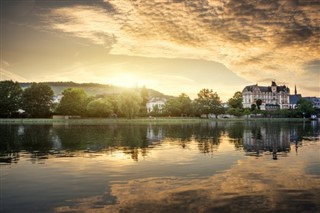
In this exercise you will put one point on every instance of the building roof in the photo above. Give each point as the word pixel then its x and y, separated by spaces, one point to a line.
pixel 251 88
pixel 293 99
pixel 157 100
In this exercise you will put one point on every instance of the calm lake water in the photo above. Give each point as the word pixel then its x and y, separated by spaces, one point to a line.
pixel 204 167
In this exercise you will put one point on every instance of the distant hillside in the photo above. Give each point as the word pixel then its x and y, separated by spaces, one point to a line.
pixel 92 89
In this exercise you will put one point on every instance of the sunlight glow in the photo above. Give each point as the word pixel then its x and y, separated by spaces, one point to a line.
pixel 124 79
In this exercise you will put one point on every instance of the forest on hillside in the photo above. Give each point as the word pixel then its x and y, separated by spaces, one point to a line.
pixel 92 89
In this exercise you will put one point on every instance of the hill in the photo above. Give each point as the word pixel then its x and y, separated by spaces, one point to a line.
pixel 93 89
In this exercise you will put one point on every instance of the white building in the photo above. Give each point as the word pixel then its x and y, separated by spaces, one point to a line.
pixel 155 102
pixel 57 98
pixel 273 97
pixel 315 101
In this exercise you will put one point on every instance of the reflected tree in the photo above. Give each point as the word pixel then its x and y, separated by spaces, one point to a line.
pixel 37 140
pixel 235 132
pixel 208 137
pixel 10 138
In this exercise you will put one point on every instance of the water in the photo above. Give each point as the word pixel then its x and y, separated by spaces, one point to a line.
pixel 207 167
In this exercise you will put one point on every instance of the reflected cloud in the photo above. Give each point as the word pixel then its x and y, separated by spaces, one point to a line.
pixel 244 187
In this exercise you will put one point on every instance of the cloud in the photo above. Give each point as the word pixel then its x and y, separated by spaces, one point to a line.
pixel 312 66
pixel 255 39
pixel 7 75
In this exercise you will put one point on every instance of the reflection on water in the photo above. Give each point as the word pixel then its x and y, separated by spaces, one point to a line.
pixel 206 167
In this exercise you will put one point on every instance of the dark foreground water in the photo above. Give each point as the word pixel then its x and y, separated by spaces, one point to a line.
pixel 207 167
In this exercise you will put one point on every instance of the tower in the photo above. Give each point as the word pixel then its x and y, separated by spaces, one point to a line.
pixel 274 87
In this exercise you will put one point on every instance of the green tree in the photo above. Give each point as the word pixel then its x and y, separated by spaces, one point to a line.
pixel 253 107
pixel 99 108
pixel 235 111
pixel 155 111
pixel 236 101
pixel 129 103
pixel 73 102
pixel 10 98
pixel 37 100
pixel 113 100
pixel 305 107
pixel 185 104
pixel 144 93
pixel 208 102
pixel 247 112
pixel 172 107
pixel 258 103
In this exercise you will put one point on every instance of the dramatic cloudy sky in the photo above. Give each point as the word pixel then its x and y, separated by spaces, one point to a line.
pixel 173 46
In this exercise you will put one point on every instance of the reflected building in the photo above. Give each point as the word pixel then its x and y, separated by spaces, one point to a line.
pixel 154 134
pixel 266 138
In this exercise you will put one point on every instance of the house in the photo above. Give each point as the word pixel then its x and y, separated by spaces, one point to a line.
pixel 272 97
pixel 315 101
pixel 155 103
pixel 57 98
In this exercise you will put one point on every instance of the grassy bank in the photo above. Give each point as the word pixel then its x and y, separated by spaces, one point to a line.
pixel 140 120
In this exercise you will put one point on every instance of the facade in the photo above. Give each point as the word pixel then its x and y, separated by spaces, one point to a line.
pixel 315 101
pixel 57 98
pixel 293 99
pixel 155 102
pixel 272 97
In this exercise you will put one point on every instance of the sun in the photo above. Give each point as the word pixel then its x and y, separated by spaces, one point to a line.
pixel 124 80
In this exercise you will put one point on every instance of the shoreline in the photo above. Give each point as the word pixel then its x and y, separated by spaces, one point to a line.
pixel 141 120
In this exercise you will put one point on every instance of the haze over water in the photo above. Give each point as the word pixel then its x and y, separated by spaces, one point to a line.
pixel 200 167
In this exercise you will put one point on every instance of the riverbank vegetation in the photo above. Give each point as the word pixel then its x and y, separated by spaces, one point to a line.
pixel 36 101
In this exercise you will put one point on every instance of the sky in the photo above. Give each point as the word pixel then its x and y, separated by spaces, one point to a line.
pixel 173 46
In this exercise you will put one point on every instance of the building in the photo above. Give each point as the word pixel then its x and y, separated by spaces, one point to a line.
pixel 155 103
pixel 57 98
pixel 315 101
pixel 272 97
pixel 293 99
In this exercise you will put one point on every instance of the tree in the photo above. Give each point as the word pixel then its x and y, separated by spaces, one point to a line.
pixel 129 103
pixel 99 108
pixel 247 112
pixel 236 101
pixel 113 100
pixel 305 107
pixel 253 107
pixel 172 107
pixel 258 103
pixel 144 93
pixel 10 96
pixel 185 104
pixel 235 111
pixel 209 102
pixel 155 111
pixel 37 100
pixel 73 102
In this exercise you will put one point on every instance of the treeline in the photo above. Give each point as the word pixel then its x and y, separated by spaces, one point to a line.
pixel 36 101
pixel 67 84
